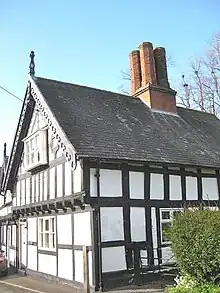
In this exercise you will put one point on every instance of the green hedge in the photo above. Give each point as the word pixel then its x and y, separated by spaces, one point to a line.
pixel 195 237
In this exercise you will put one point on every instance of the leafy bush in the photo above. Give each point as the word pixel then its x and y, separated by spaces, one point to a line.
pixel 195 237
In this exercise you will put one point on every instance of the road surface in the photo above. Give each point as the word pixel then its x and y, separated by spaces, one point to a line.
pixel 10 289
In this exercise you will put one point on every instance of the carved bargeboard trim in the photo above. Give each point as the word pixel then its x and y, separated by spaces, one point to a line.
pixel 60 136
pixel 17 136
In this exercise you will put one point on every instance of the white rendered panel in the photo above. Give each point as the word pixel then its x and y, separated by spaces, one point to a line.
pixel 41 186
pixel 37 188
pixel 82 222
pixel 110 183
pixel 138 224
pixel 78 256
pixel 32 229
pixel 46 184
pixel 154 233
pixel 64 229
pixel 77 178
pixel 113 259
pixel 68 179
pixel 209 189
pixel 65 264
pixel 28 187
pixel 59 180
pixel 18 192
pixel 156 186
pixel 22 192
pixel 175 187
pixel 112 227
pixel 32 257
pixel 52 183
pixel 136 185
pixel 47 264
pixel 191 188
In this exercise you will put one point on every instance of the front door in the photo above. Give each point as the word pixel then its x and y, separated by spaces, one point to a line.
pixel 23 246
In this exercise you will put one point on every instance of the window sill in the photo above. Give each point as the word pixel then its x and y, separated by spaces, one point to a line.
pixel 37 166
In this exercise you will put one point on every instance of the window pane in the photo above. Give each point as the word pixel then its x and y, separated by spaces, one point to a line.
pixel 41 239
pixel 165 215
pixel 47 225
pixel 52 240
pixel 27 148
pixel 52 225
pixel 32 157
pixel 165 227
pixel 47 240
pixel 41 225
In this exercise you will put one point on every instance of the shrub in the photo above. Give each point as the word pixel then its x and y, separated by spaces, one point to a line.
pixel 195 237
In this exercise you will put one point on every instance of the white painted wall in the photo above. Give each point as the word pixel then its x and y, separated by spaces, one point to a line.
pixel 64 228
pixel 18 192
pixel 45 184
pixel 47 264
pixel 14 235
pixel 59 180
pixel 12 256
pixel 52 183
pixel 110 183
pixel 77 178
pixel 37 195
pixel 28 190
pixel 112 227
pixel 156 186
pixel 78 256
pixel 82 228
pixel 175 187
pixel 32 257
pixel 41 178
pixel 113 259
pixel 209 189
pixel 93 182
pixel 136 185
pixel 65 264
pixel 191 188
pixel 32 229
pixel 154 233
pixel 33 187
pixel 138 224
pixel 68 176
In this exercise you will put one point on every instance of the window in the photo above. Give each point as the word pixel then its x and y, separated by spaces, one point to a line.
pixel 166 217
pixel 35 150
pixel 46 228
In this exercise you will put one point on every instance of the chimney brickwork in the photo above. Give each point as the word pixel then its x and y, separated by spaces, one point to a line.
pixel 149 78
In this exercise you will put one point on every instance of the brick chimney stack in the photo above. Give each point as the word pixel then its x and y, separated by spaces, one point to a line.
pixel 149 78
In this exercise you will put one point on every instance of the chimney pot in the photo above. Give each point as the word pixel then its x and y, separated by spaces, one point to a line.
pixel 161 67
pixel 135 70
pixel 147 64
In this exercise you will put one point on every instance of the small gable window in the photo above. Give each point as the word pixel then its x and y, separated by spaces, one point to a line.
pixel 35 150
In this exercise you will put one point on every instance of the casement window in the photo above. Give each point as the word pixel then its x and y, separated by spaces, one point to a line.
pixel 47 234
pixel 35 150
pixel 166 217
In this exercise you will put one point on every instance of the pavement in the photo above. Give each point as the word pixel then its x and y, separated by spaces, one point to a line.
pixel 26 284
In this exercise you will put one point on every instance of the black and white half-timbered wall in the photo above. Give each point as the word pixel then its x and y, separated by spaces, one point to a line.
pixel 108 171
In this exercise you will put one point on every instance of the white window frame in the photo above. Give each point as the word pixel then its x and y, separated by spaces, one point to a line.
pixel 47 235
pixel 35 151
pixel 167 221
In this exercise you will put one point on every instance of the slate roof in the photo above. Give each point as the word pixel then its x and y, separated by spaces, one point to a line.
pixel 102 124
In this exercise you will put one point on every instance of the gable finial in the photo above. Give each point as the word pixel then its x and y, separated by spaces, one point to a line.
pixel 32 64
